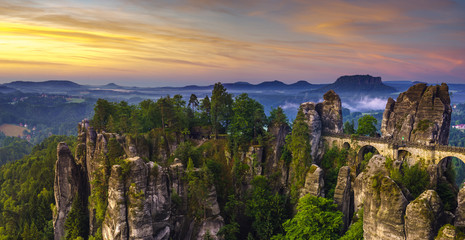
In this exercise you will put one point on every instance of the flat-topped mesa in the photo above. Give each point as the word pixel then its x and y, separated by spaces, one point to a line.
pixel 422 114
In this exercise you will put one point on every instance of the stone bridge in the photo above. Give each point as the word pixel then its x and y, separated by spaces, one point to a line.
pixel 410 151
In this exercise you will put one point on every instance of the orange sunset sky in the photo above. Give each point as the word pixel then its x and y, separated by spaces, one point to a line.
pixel 180 42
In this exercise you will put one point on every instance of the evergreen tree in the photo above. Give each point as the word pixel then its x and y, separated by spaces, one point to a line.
pixel 367 126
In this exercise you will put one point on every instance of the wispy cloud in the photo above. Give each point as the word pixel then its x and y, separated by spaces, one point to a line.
pixel 255 40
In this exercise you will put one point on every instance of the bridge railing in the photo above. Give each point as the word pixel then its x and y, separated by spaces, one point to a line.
pixel 397 144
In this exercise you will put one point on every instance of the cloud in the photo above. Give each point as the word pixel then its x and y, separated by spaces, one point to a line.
pixel 258 40
pixel 290 106
pixel 37 63
pixel 365 104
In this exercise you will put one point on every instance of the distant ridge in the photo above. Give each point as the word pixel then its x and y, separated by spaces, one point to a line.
pixel 358 84
pixel 48 84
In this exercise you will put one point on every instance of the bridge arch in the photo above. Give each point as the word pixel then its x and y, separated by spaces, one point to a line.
pixel 365 150
pixel 346 145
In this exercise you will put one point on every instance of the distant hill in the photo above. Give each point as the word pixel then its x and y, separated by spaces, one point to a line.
pixel 51 86
pixel 47 84
pixel 358 84
pixel 5 89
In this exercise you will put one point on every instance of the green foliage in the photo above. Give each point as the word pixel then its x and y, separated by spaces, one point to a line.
pixel 300 148
pixel 414 178
pixel 265 208
pixel 441 235
pixel 221 110
pixel 349 127
pixel 355 231
pixel 229 231
pixel 115 151
pixel 99 194
pixel 316 218
pixel 423 125
pixel 186 151
pixel 13 148
pixel 77 221
pixel 447 195
pixel 332 161
pixel 366 159
pixel 26 192
pixel 248 121
pixel 277 117
pixel 367 126
pixel 199 186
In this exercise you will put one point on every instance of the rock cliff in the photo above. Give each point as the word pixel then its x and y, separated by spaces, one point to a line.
pixel 325 117
pixel 421 114
pixel 143 200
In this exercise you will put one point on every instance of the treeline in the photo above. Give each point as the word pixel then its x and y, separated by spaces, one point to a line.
pixel 13 148
pixel 242 118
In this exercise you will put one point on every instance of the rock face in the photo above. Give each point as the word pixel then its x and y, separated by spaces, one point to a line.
pixel 383 202
pixel 421 114
pixel 68 183
pixel 422 215
pixel 115 225
pixel 343 195
pixel 331 113
pixel 448 232
pixel 460 211
pixel 313 120
pixel 145 201
pixel 325 117
pixel 314 182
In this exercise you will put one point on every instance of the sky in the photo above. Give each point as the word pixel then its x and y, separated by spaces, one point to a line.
pixel 183 42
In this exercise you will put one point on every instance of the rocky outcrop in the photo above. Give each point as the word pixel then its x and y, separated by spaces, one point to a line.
pixel 421 114
pixel 68 183
pixel 279 133
pixel 325 117
pixel 313 120
pixel 331 113
pixel 145 200
pixel 460 211
pixel 382 200
pixel 449 232
pixel 115 225
pixel 422 216
pixel 343 195
pixel 314 182
pixel 139 219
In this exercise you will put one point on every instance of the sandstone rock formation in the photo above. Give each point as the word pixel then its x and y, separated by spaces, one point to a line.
pixel 343 195
pixel 115 225
pixel 448 232
pixel 422 216
pixel 325 117
pixel 331 113
pixel 421 114
pixel 145 200
pixel 66 187
pixel 313 120
pixel 383 202
pixel 460 211
pixel 314 182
